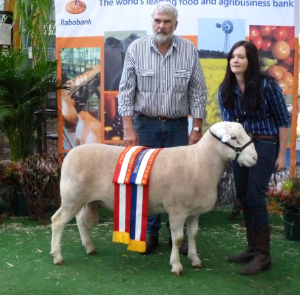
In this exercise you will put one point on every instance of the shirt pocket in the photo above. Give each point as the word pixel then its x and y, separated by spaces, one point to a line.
pixel 145 79
pixel 180 80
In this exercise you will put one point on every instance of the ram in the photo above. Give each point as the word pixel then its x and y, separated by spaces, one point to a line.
pixel 183 183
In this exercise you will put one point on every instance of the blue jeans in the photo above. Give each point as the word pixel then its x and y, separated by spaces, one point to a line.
pixel 155 134
pixel 252 183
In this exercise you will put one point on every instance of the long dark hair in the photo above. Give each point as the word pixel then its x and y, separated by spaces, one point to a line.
pixel 252 97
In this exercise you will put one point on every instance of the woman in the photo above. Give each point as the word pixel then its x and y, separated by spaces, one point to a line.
pixel 253 99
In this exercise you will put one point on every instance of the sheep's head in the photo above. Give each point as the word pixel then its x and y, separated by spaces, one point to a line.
pixel 236 141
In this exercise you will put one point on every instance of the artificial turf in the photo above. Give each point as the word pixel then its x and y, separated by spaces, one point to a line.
pixel 26 267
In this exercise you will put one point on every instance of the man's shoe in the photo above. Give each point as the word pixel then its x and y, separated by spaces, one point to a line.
pixel 183 249
pixel 151 244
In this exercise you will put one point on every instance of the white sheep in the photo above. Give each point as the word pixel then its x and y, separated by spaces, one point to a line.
pixel 183 183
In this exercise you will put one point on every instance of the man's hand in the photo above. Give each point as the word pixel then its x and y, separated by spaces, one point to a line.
pixel 194 137
pixel 130 137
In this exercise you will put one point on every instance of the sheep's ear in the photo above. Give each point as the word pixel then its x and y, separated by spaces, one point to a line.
pixel 223 135
pixel 226 137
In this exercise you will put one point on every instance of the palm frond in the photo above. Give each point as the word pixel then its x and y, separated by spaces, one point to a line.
pixel 23 92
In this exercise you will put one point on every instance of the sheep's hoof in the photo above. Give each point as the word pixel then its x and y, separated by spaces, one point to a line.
pixel 59 262
pixel 177 273
pixel 94 252
pixel 197 266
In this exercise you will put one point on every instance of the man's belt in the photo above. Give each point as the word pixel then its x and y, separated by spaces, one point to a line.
pixel 161 119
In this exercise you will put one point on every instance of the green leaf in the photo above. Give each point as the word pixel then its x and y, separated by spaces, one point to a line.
pixel 287 184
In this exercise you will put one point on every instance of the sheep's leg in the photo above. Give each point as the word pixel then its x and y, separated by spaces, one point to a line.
pixel 192 228
pixel 176 227
pixel 87 217
pixel 59 220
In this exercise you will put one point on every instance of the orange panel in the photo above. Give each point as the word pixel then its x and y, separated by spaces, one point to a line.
pixel 193 39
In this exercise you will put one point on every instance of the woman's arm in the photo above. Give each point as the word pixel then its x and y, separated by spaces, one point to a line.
pixel 283 140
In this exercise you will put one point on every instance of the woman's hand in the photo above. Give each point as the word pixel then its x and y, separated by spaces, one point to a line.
pixel 280 164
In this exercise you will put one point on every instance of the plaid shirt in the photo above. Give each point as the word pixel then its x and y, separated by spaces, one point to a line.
pixel 155 85
pixel 267 120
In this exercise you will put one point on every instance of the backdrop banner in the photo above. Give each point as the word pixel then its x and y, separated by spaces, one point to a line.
pixel 93 36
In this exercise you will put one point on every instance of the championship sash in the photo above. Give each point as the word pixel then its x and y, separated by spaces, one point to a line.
pixel 131 196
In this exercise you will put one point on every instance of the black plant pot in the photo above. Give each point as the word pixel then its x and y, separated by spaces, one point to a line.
pixel 19 205
pixel 291 222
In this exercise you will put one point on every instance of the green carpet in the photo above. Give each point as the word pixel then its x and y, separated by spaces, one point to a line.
pixel 27 268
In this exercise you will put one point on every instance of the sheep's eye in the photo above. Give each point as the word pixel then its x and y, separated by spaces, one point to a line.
pixel 234 138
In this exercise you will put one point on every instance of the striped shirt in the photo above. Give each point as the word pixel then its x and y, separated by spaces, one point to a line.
pixel 172 86
pixel 265 121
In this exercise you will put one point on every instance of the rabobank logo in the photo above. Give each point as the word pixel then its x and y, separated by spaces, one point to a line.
pixel 75 7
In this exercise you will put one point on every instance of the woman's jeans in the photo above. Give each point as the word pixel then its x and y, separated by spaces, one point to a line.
pixel 252 183
pixel 153 133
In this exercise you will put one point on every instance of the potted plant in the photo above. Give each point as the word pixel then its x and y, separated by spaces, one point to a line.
pixel 285 198
pixel 27 75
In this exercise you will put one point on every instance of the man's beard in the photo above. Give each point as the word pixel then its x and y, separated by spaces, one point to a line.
pixel 162 38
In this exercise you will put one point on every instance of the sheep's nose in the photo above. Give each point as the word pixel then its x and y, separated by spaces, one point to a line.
pixel 255 158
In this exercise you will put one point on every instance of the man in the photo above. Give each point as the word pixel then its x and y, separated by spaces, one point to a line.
pixel 162 83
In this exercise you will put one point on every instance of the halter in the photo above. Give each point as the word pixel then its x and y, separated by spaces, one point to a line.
pixel 238 150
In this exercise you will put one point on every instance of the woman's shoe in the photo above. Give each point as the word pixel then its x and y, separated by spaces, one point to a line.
pixel 248 254
pixel 262 259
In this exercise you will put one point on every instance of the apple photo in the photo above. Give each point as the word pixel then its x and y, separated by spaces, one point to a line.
pixel 276 46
